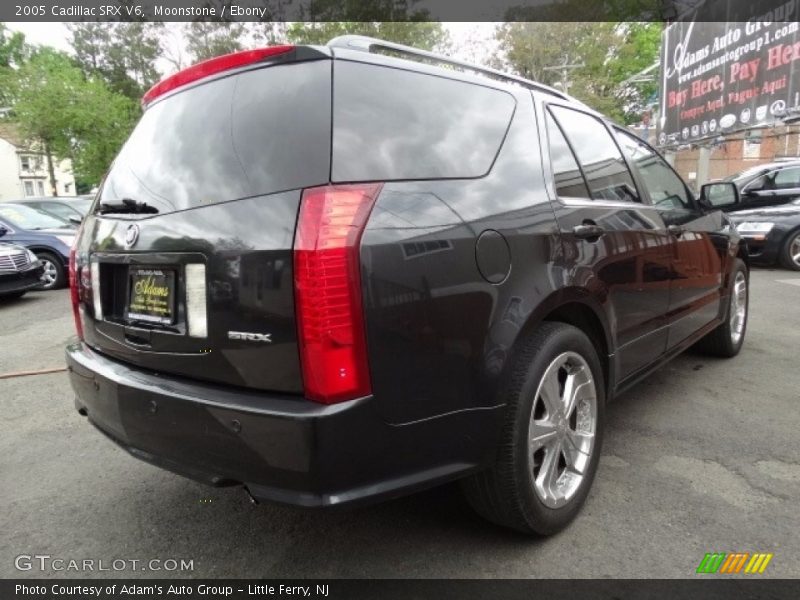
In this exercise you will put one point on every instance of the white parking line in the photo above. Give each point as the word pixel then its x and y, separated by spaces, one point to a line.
pixel 789 281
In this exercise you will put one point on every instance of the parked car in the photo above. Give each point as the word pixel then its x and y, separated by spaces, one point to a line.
pixel 770 184
pixel 437 272
pixel 20 271
pixel 68 208
pixel 772 234
pixel 49 237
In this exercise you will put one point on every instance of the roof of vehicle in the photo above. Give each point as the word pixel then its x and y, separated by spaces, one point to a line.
pixel 356 47
pixel 758 169
pixel 30 199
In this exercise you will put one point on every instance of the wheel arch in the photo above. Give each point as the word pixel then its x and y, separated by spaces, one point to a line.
pixel 576 307
pixel 36 248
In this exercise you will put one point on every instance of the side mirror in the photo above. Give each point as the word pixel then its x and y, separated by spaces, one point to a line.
pixel 719 195
pixel 3 230
pixel 76 220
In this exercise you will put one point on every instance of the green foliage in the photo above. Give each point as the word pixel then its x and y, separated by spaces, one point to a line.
pixel 599 57
pixel 206 40
pixel 123 54
pixel 13 48
pixel 13 51
pixel 69 116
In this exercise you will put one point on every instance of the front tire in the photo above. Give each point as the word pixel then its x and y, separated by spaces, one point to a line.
pixel 727 339
pixel 54 276
pixel 790 252
pixel 552 437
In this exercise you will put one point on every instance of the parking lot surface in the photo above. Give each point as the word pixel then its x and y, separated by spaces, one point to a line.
pixel 703 456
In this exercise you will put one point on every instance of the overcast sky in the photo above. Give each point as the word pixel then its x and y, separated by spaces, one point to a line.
pixel 471 41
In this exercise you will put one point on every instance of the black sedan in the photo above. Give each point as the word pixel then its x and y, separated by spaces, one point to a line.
pixel 772 234
pixel 770 184
pixel 20 271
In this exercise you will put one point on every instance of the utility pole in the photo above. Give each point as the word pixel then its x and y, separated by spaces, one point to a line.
pixel 565 68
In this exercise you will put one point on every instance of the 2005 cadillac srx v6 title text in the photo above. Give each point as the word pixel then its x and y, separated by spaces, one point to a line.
pixel 378 270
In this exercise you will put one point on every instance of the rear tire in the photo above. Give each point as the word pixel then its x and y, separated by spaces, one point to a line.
pixel 727 339
pixel 790 252
pixel 551 440
pixel 55 276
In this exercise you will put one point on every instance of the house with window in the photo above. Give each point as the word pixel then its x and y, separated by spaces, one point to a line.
pixel 23 170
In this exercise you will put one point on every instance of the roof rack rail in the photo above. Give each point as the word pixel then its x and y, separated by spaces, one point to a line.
pixel 366 44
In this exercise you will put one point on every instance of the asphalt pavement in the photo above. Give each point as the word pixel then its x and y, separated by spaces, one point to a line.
pixel 702 456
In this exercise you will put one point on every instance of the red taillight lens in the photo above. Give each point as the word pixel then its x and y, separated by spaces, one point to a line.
pixel 211 67
pixel 74 290
pixel 333 347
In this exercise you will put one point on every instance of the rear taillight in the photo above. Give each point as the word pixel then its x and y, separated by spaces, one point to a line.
pixel 74 289
pixel 211 67
pixel 333 347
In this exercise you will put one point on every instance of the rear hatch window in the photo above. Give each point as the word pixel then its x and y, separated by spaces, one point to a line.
pixel 247 134
pixel 392 124
pixel 201 283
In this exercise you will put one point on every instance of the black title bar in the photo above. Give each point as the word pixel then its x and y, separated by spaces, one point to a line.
pixel 392 10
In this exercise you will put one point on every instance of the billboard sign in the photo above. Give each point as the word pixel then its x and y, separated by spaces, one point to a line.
pixel 720 77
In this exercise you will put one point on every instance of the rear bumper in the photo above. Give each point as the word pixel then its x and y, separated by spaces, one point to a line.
pixel 22 280
pixel 282 448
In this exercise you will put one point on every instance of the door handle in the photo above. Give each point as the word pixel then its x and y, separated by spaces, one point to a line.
pixel 676 230
pixel 588 231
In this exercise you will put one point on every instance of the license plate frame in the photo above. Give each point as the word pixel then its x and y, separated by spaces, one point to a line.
pixel 151 297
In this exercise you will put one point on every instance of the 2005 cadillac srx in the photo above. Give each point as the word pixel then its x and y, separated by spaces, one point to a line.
pixel 345 273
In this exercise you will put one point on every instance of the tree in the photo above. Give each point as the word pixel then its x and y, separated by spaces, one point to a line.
pixel 13 52
pixel 205 40
pixel 67 115
pixel 13 48
pixel 597 57
pixel 123 54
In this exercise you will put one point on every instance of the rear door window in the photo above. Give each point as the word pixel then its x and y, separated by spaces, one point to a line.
pixel 604 169
pixel 391 124
pixel 247 134
pixel 566 172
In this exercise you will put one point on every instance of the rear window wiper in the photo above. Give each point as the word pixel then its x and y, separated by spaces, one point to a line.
pixel 127 205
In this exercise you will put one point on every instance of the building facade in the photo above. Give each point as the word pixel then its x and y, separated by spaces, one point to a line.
pixel 738 151
pixel 23 171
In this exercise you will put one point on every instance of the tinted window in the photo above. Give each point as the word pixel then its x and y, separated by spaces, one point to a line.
pixel 787 179
pixel 60 210
pixel 395 124
pixel 603 166
pixel 566 172
pixel 254 133
pixel 666 189
pixel 26 217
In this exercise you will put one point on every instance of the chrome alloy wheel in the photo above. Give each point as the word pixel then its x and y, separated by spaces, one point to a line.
pixel 50 274
pixel 738 308
pixel 562 429
pixel 794 250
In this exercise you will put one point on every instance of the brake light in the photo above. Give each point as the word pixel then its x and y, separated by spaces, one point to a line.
pixel 74 290
pixel 327 279
pixel 211 66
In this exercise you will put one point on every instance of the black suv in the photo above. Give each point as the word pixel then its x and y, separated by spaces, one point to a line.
pixel 334 275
